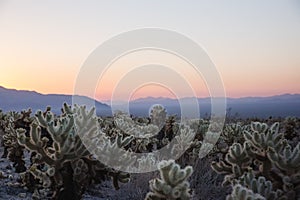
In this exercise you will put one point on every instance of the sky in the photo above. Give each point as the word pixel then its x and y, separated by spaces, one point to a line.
pixel 254 44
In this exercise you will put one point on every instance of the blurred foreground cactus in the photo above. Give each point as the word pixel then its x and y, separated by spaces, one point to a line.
pixel 173 184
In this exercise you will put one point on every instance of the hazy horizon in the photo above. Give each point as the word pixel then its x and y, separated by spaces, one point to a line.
pixel 145 97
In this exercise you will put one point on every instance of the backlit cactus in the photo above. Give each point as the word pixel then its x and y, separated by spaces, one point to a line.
pixel 287 163
pixel 62 161
pixel 131 127
pixel 267 153
pixel 261 186
pixel 240 192
pixel 158 115
pixel 10 122
pixel 113 153
pixel 182 140
pixel 173 184
pixel 236 162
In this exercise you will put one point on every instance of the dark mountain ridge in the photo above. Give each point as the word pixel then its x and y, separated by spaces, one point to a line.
pixel 277 106
pixel 11 99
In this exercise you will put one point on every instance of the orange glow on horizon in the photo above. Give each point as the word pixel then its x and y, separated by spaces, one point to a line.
pixel 156 92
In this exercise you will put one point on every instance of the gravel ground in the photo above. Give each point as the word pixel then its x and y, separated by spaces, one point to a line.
pixel 11 189
pixel 9 186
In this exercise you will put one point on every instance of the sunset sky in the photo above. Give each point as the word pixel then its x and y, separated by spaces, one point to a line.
pixel 255 44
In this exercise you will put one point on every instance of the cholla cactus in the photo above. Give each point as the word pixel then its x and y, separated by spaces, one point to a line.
pixel 288 165
pixel 158 116
pixel 182 140
pixel 2 132
pixel 143 145
pixel 263 139
pixel 15 151
pixel 258 141
pixel 130 127
pixel 65 147
pixel 287 160
pixel 205 149
pixel 291 127
pixel 63 162
pixel 236 162
pixel 260 186
pixel 113 154
pixel 66 142
pixel 267 153
pixel 146 162
pixel 199 126
pixel 170 128
pixel 173 184
pixel 2 116
pixel 234 133
pixel 12 121
pixel 240 192
pixel 205 138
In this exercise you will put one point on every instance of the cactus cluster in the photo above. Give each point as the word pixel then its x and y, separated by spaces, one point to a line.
pixel 61 161
pixel 265 161
pixel 73 150
pixel 10 122
pixel 291 128
pixel 131 127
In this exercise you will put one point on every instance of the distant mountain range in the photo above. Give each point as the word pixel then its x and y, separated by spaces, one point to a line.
pixel 279 105
pixel 262 107
pixel 11 99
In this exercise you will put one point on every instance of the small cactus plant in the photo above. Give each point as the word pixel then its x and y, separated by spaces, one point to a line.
pixel 240 192
pixel 173 184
